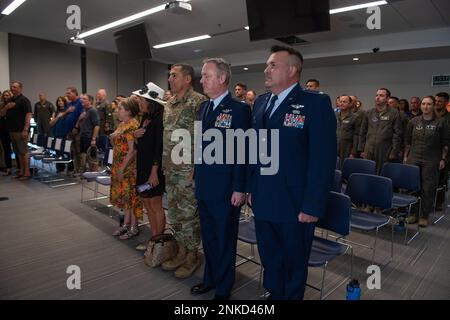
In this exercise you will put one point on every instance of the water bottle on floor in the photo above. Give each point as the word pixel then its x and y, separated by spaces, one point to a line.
pixel 353 290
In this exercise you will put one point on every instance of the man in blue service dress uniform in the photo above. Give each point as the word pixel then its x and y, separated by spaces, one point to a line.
pixel 287 204
pixel 220 188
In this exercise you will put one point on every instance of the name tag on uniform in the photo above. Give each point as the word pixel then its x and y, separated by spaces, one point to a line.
pixel 294 120
pixel 431 127
pixel 374 119
pixel 346 121
pixel 223 120
pixel 384 118
pixel 419 127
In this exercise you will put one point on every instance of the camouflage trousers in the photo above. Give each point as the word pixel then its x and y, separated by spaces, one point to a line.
pixel 182 212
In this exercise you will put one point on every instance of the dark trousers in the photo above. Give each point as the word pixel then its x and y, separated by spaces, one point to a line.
pixel 6 143
pixel 284 248
pixel 429 178
pixel 219 223
pixel 443 179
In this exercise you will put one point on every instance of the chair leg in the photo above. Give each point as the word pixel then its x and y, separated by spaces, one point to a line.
pixel 407 224
pixel 392 241
pixel 82 189
pixel 324 271
pixel 374 246
pixel 351 262
pixel 444 206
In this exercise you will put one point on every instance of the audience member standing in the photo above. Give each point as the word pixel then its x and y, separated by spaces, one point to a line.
pixel 180 112
pixel 74 108
pixel 105 112
pixel 89 131
pixel 381 131
pixel 4 133
pixel 123 175
pixel 240 91
pixel 427 141
pixel 18 116
pixel 43 112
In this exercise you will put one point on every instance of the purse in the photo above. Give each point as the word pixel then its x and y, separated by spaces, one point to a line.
pixel 161 248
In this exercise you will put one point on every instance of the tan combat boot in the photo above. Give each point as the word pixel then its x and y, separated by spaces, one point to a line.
pixel 193 261
pixel 179 259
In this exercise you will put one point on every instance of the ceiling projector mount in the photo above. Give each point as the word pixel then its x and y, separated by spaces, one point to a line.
pixel 178 7
pixel 76 40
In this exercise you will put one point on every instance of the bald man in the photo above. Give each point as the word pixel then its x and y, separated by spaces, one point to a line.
pixel 105 112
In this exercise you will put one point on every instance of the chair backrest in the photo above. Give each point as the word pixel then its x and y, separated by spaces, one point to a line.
pixel 368 189
pixel 58 144
pixel 110 157
pixel 337 182
pixel 352 165
pixel 338 214
pixel 67 145
pixel 49 143
pixel 404 176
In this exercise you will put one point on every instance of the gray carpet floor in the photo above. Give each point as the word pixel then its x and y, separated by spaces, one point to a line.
pixel 43 231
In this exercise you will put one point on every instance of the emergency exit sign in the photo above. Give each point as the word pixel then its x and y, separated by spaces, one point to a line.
pixel 441 80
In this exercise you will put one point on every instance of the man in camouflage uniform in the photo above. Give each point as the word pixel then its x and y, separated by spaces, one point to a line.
pixel 180 112
pixel 381 132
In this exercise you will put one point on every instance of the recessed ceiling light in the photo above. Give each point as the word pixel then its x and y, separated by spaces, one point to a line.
pixel 355 59
pixel 359 6
pixel 174 43
pixel 247 28
pixel 245 69
pixel 12 6
pixel 198 50
pixel 122 21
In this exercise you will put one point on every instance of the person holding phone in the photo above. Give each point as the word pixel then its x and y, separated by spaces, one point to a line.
pixel 150 182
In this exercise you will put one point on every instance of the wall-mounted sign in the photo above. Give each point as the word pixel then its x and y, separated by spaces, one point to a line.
pixel 440 80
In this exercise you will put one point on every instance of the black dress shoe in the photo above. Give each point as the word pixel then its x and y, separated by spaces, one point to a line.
pixel 221 298
pixel 201 289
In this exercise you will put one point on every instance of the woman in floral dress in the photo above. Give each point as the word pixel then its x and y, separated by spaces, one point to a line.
pixel 123 176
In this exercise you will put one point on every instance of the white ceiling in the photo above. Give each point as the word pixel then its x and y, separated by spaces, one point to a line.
pixel 46 19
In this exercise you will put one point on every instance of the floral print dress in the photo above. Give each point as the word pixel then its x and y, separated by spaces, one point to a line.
pixel 123 193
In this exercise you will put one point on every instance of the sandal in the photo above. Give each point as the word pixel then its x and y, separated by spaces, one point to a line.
pixel 121 230
pixel 132 232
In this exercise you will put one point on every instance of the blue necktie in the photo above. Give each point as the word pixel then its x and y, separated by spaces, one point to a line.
pixel 268 110
pixel 209 109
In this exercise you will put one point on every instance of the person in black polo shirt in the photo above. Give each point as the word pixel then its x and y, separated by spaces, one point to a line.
pixel 18 116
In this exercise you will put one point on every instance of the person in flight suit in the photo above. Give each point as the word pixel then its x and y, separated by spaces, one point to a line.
pixel 426 143
pixel 394 103
pixel 287 203
pixel 358 113
pixel 220 187
pixel 381 131
pixel 347 135
pixel 440 110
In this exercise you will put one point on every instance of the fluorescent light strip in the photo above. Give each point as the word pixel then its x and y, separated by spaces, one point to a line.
pixel 359 6
pixel 247 28
pixel 12 6
pixel 122 21
pixel 174 43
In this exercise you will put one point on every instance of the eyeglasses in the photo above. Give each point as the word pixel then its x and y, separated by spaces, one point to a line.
pixel 152 94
